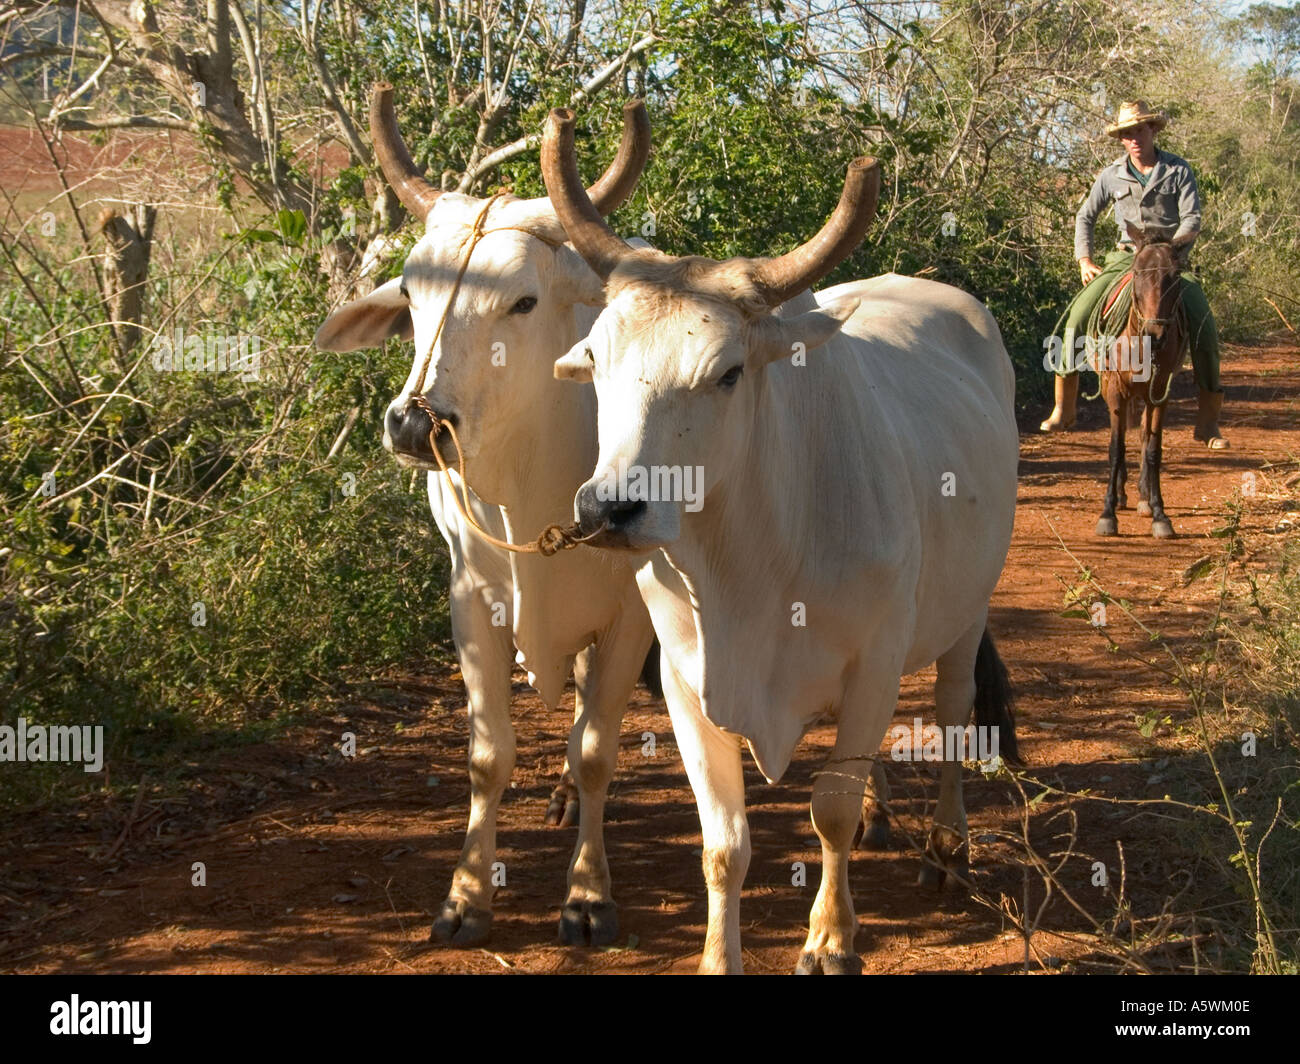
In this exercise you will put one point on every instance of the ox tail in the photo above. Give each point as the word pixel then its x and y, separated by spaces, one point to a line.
pixel 994 701
pixel 650 671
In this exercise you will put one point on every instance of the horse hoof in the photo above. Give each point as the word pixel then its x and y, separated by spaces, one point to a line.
pixel 824 962
pixel 1122 503
pixel 1162 529
pixel 1144 509
pixel 588 923
pixel 1108 526
pixel 460 924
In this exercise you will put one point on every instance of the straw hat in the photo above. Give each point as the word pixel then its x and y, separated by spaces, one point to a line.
pixel 1135 113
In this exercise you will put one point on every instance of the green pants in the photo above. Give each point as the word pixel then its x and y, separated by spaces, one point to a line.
pixel 1200 321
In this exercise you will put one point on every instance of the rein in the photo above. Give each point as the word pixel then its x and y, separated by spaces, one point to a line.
pixel 1122 306
pixel 553 538
pixel 1136 324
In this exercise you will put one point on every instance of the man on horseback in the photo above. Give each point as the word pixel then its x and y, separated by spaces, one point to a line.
pixel 1150 188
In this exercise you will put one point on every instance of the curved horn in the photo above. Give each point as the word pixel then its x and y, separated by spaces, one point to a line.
pixel 595 241
pixel 416 194
pixel 618 182
pixel 780 278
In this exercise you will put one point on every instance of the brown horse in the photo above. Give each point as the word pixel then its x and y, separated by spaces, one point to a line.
pixel 1140 369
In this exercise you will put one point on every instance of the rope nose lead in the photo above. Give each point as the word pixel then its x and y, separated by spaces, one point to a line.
pixel 551 540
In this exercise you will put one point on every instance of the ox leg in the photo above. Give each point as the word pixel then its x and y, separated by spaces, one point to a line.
pixel 562 812
pixel 713 766
pixel 485 656
pixel 873 832
pixel 947 855
pixel 1107 525
pixel 605 675
pixel 1161 526
pixel 836 812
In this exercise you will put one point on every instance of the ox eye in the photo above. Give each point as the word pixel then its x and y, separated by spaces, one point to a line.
pixel 728 379
pixel 524 305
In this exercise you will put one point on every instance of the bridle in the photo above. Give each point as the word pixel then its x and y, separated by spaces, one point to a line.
pixel 1137 323
pixel 553 538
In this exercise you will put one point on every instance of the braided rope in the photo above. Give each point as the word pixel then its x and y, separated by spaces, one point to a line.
pixel 1118 320
pixel 553 538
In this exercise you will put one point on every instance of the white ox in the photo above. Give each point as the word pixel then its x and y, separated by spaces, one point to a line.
pixel 857 512
pixel 489 314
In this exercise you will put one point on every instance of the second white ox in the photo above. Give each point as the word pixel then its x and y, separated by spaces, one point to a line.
pixel 491 295
pixel 859 476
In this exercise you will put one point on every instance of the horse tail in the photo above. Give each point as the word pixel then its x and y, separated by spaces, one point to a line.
pixel 994 700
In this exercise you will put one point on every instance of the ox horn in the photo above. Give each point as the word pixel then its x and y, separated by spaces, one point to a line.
pixel 780 278
pixel 618 182
pixel 614 186
pixel 596 242
pixel 416 194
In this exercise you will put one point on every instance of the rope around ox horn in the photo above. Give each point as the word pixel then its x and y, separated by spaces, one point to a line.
pixel 553 538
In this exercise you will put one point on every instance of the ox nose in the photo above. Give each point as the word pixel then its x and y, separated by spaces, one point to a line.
pixel 407 428
pixel 593 512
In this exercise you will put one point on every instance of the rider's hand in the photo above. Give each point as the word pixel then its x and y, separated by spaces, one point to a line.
pixel 1088 269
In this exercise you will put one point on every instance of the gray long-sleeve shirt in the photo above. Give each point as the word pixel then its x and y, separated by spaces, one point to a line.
pixel 1169 201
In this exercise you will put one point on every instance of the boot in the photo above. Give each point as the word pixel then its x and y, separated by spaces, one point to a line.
pixel 1062 417
pixel 1207 420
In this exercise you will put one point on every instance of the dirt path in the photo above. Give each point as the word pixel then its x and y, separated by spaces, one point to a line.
pixel 342 863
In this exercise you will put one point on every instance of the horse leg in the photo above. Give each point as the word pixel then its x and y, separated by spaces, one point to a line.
pixel 1107 525
pixel 1161 527
pixel 1130 410
pixel 1121 492
pixel 1144 480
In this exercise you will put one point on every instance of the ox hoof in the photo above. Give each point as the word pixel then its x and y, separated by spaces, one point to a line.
pixel 824 962
pixel 951 878
pixel 588 923
pixel 1144 509
pixel 873 834
pixel 563 810
pixel 460 924
pixel 1108 526
pixel 1162 529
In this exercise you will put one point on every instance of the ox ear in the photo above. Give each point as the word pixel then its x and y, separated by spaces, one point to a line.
pixel 576 364
pixel 575 281
pixel 369 321
pixel 773 337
